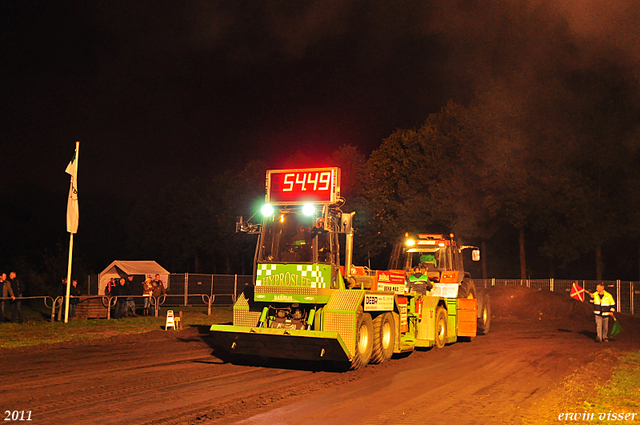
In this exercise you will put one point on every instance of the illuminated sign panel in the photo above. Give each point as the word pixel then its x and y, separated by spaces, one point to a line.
pixel 299 186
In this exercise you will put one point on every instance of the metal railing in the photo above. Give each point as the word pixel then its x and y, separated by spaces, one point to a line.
pixel 206 290
pixel 49 302
pixel 183 288
pixel 109 302
pixel 626 293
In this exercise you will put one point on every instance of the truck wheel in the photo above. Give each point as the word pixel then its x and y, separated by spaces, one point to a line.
pixel 384 338
pixel 364 340
pixel 467 289
pixel 441 327
pixel 484 321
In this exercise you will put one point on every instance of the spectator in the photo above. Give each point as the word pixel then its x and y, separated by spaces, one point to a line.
pixel 109 287
pixel 158 290
pixel 7 292
pixel 131 304
pixel 74 294
pixel 62 292
pixel 119 291
pixel 147 291
pixel 16 303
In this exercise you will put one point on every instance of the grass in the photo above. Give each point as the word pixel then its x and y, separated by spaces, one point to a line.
pixel 36 330
pixel 609 385
pixel 621 394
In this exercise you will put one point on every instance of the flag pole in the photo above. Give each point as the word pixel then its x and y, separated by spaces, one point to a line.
pixel 66 304
pixel 71 232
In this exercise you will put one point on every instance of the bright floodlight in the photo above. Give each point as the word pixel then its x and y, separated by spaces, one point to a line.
pixel 267 210
pixel 308 209
pixel 411 242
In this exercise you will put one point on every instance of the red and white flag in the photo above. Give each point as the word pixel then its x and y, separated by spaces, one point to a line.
pixel 577 292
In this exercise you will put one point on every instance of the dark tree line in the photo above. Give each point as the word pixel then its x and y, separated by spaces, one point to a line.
pixel 562 169
pixel 540 170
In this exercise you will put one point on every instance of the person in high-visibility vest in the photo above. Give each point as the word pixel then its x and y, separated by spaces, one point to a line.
pixel 603 307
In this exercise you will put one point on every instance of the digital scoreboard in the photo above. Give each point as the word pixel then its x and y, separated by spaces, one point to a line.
pixel 304 185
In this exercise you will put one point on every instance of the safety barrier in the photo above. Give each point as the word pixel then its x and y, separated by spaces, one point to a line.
pixel 210 287
pixel 57 305
pixel 49 302
pixel 626 293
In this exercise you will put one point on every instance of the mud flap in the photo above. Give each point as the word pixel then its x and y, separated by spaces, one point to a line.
pixel 280 343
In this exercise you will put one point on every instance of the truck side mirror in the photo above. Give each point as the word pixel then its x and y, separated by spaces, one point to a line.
pixel 475 255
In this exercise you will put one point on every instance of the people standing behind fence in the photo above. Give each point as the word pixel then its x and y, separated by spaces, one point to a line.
pixel 7 292
pixel 120 292
pixel 158 290
pixel 130 306
pixel 62 292
pixel 16 304
pixel 108 289
pixel 74 298
pixel 147 291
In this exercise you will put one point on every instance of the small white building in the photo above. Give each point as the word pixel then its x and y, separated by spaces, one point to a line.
pixel 123 268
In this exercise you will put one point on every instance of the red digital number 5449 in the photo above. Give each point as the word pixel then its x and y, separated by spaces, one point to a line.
pixel 319 181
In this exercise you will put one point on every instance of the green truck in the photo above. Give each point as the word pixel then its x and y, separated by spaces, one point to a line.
pixel 309 302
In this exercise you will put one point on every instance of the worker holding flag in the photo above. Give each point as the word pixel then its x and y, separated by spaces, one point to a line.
pixel 603 307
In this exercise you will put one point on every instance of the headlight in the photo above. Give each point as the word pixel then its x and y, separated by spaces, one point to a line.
pixel 267 210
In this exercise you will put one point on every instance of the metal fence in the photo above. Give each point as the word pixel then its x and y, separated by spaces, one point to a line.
pixel 626 294
pixel 188 288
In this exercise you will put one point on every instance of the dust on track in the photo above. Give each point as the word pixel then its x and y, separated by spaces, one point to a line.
pixel 177 377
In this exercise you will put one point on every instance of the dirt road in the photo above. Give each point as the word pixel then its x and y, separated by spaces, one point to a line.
pixel 175 377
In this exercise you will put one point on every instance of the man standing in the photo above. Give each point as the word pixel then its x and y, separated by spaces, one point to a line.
pixel 158 291
pixel 603 306
pixel 16 304
pixel 131 304
pixel 160 284
pixel 109 287
pixel 7 291
pixel 74 294
pixel 119 292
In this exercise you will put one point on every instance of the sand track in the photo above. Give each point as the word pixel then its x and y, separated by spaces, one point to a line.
pixel 176 378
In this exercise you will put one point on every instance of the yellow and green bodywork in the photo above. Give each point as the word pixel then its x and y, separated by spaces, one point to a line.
pixel 331 326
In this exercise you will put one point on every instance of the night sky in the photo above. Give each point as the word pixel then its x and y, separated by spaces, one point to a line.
pixel 161 91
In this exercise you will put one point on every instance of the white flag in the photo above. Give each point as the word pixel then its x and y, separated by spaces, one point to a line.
pixel 73 212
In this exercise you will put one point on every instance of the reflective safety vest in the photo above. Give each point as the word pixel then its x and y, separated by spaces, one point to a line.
pixel 603 304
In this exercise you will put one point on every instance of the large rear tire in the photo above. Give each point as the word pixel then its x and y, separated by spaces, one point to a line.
pixel 384 337
pixel 441 327
pixel 364 340
pixel 467 289
pixel 484 321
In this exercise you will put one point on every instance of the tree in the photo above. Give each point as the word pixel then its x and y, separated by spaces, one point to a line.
pixel 425 179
